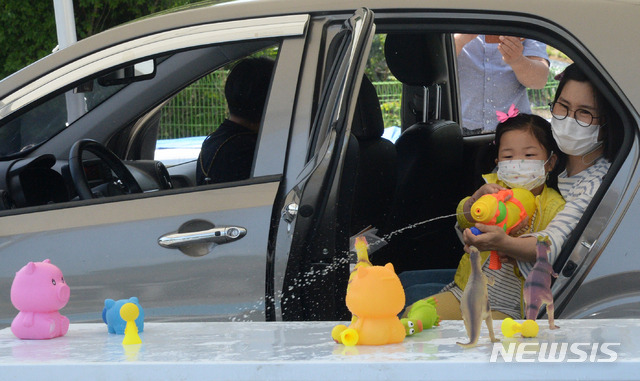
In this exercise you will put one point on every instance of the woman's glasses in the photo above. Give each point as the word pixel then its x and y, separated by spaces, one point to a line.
pixel 582 116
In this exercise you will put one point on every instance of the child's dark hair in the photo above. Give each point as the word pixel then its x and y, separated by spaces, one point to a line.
pixel 541 130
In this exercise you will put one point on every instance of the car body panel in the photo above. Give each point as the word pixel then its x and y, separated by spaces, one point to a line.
pixel 609 286
pixel 314 275
pixel 118 239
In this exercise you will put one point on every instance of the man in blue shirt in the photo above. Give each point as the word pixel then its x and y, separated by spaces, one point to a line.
pixel 495 75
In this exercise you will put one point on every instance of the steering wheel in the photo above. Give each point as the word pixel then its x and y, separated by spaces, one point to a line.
pixel 127 184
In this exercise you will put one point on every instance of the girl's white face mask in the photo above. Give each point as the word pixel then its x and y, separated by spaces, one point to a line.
pixel 527 174
pixel 572 138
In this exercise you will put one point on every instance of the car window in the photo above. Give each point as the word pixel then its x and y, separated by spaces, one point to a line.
pixel 488 84
pixel 21 134
pixel 145 112
pixel 388 88
pixel 196 112
pixel 335 53
pixel 189 117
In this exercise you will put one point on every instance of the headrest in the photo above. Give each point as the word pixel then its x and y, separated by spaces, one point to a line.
pixel 416 59
pixel 367 118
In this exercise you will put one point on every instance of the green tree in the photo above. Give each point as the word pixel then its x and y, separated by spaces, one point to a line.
pixel 377 69
pixel 28 30
pixel 28 33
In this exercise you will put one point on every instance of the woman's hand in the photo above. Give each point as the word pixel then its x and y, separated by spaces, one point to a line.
pixel 505 258
pixel 492 238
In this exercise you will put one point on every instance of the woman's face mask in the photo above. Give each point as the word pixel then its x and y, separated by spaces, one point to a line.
pixel 572 138
pixel 527 174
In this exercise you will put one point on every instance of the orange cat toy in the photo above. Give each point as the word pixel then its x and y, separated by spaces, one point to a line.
pixel 375 297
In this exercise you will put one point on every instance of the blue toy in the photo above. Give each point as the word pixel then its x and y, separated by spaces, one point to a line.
pixel 111 315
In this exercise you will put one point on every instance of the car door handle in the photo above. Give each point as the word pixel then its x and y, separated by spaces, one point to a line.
pixel 217 235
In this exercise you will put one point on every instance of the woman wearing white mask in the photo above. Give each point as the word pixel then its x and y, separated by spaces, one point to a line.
pixel 584 126
pixel 525 159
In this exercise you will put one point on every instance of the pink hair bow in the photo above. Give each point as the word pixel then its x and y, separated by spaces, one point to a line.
pixel 502 117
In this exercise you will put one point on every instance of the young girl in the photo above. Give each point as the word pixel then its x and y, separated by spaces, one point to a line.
pixel 527 155
pixel 588 130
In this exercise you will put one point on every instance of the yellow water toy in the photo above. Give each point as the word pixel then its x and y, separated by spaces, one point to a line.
pixel 528 328
pixel 129 312
pixel 507 209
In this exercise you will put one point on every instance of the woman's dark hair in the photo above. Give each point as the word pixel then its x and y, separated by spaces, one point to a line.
pixel 541 130
pixel 247 86
pixel 612 133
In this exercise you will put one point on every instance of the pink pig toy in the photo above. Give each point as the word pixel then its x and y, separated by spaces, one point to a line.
pixel 39 291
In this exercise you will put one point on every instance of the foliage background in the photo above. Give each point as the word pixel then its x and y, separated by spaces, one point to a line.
pixel 28 30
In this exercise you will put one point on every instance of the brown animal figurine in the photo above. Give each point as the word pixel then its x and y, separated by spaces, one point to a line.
pixel 537 287
pixel 474 304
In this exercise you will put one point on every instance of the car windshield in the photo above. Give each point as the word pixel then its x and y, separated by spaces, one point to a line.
pixel 40 123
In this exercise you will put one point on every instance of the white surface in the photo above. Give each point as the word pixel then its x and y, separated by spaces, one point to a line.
pixel 305 351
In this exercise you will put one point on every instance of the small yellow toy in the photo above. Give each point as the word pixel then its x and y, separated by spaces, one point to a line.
pixel 362 253
pixel 129 312
pixel 342 334
pixel 528 328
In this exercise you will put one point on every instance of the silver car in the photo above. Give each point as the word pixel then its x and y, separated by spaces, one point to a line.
pixel 91 179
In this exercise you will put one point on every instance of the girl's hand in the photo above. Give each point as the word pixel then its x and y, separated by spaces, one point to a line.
pixel 486 189
pixel 492 238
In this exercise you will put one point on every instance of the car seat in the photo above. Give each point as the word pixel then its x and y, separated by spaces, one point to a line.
pixel 368 175
pixel 376 173
pixel 430 158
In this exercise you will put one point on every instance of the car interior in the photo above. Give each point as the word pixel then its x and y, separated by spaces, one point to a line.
pixel 412 205
pixel 407 189
pixel 133 143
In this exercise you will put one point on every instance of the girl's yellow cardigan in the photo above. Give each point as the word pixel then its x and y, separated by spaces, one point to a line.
pixel 548 204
